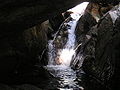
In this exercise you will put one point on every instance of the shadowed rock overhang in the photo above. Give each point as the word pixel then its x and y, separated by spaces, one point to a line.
pixel 23 14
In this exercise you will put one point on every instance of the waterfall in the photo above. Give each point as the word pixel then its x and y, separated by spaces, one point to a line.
pixel 62 50
pixel 68 51
pixel 65 54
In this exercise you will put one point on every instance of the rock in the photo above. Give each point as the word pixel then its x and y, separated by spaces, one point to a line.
pixel 105 65
pixel 27 87
pixel 19 87
pixel 62 35
pixel 56 21
pixel 21 15
pixel 20 51
pixel 84 25
pixel 67 14
pixel 83 37
pixel 116 56
pixel 26 14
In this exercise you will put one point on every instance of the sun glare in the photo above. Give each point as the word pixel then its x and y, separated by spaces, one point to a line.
pixel 66 56
pixel 79 8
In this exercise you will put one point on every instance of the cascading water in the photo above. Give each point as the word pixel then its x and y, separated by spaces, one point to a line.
pixel 60 58
pixel 68 51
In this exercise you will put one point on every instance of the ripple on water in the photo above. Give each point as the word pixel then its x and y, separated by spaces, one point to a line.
pixel 64 78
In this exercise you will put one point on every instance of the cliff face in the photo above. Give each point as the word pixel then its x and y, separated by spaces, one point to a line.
pixel 102 51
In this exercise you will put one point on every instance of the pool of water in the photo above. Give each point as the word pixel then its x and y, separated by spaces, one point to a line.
pixel 64 78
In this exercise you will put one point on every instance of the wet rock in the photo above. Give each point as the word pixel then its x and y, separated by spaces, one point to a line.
pixel 116 56
pixel 56 21
pixel 88 49
pixel 105 65
pixel 94 10
pixel 105 8
pixel 84 25
pixel 84 36
pixel 67 14
pixel 61 39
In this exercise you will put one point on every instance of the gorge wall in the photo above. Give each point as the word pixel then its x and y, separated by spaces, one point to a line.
pixel 101 47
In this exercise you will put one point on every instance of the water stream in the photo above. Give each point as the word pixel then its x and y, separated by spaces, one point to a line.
pixel 62 52
pixel 60 58
pixel 65 78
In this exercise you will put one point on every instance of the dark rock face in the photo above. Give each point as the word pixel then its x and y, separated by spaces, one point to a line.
pixel 87 21
pixel 62 35
pixel 104 66
pixel 116 55
pixel 67 14
pixel 56 21
pixel 20 87
pixel 84 24
pixel 28 13
pixel 21 51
